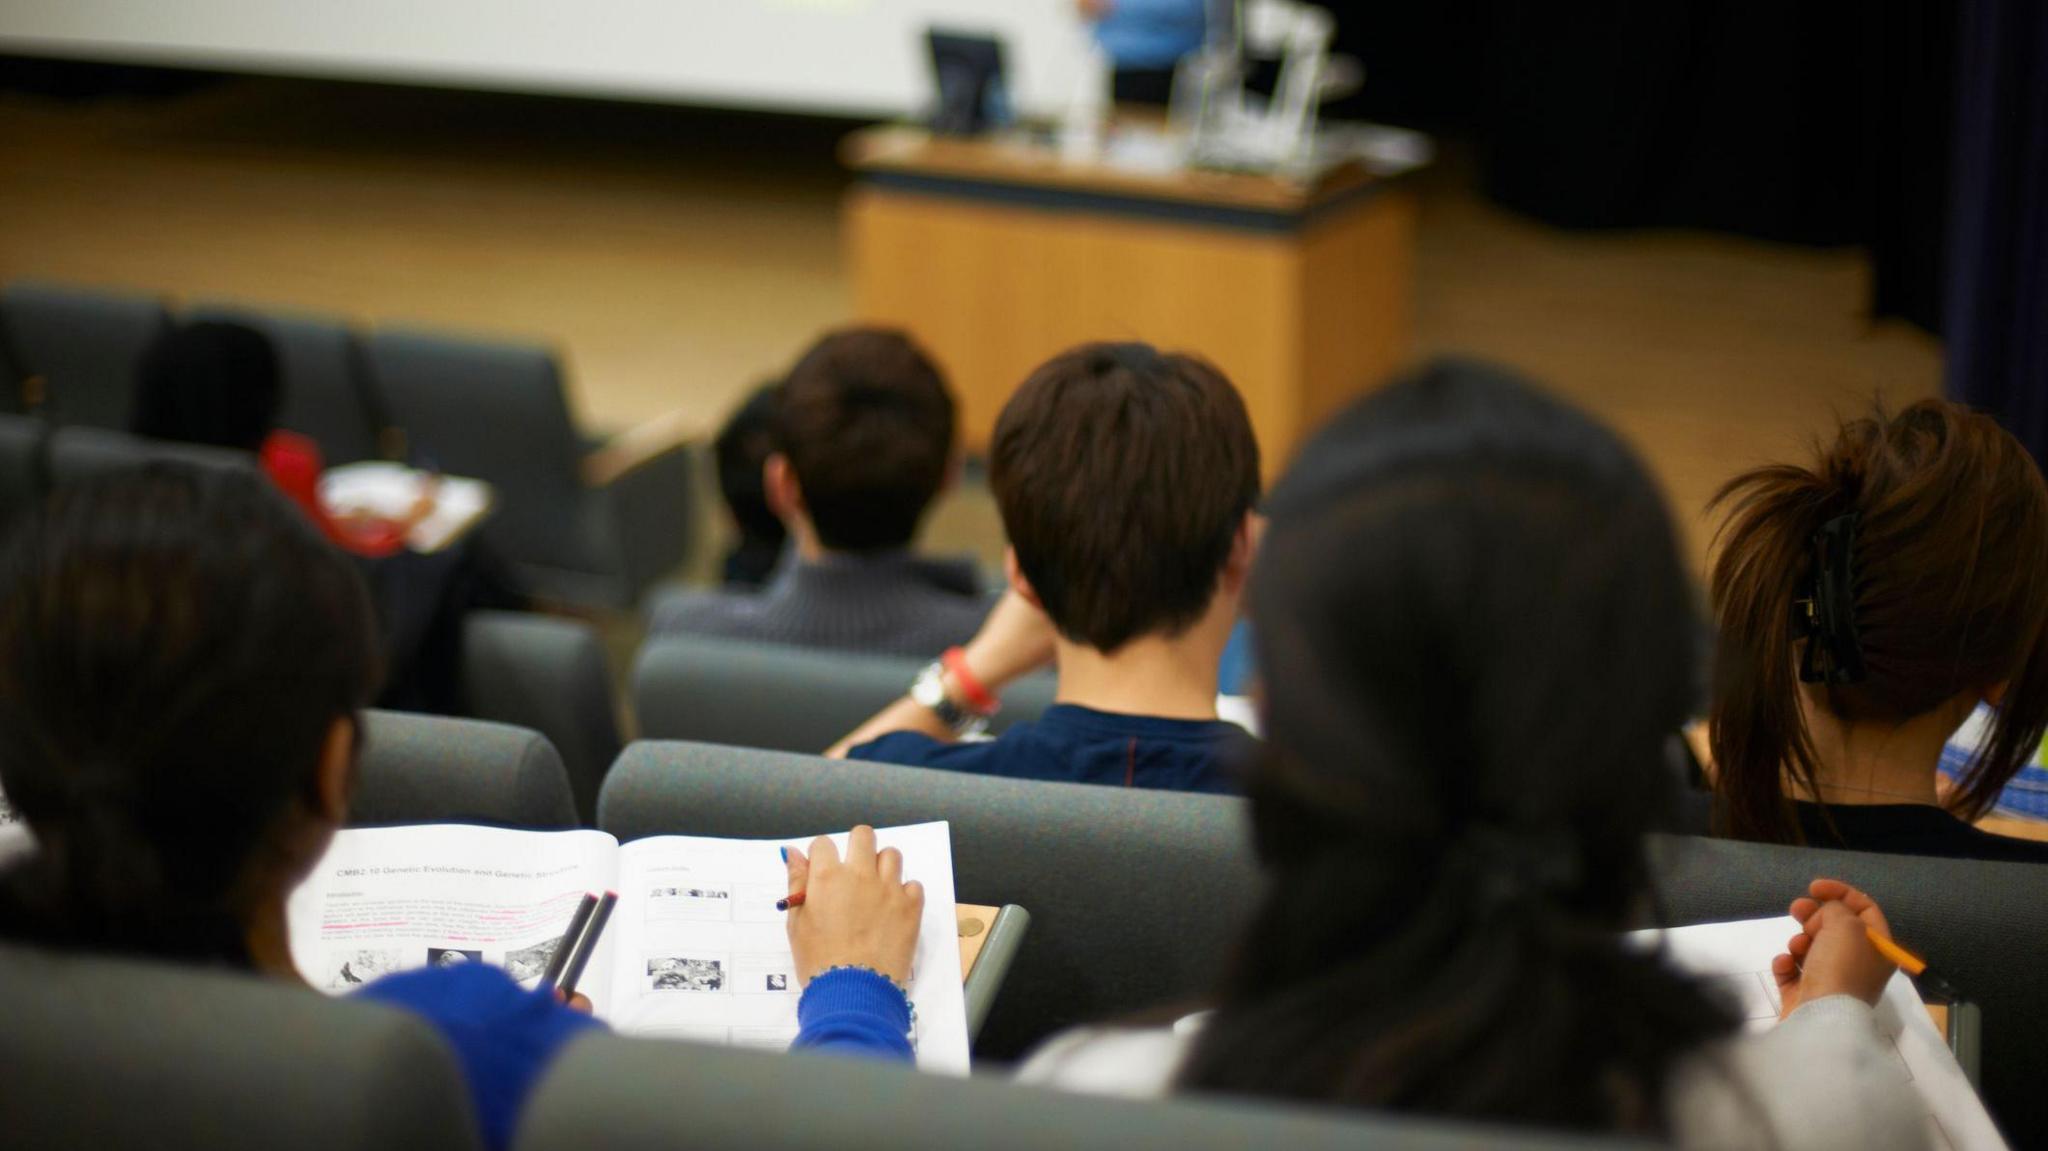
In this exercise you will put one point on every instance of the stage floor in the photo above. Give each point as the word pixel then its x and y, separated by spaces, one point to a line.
pixel 679 256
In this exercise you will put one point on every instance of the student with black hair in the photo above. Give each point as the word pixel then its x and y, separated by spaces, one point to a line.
pixel 742 450
pixel 183 667
pixel 1473 621
pixel 219 384
pixel 859 443
pixel 1127 479
pixel 1867 604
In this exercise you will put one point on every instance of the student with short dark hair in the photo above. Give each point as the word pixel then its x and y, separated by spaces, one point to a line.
pixel 183 668
pixel 862 444
pixel 1127 480
pixel 1473 605
pixel 1867 603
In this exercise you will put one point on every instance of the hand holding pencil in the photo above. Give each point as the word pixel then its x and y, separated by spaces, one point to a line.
pixel 852 912
pixel 1838 950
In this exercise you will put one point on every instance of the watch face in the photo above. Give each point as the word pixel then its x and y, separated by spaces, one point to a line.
pixel 928 692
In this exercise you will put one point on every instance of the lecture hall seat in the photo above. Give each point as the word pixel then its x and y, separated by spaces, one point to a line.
pixel 782 698
pixel 84 345
pixel 549 674
pixel 582 525
pixel 125 1055
pixel 609 1093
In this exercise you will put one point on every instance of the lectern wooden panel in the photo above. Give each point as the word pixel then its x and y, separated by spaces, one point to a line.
pixel 997 255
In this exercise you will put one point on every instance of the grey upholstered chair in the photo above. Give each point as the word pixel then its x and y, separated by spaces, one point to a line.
pixel 1135 896
pixel 326 394
pixel 781 698
pixel 22 465
pixel 119 1054
pixel 430 769
pixel 498 412
pixel 549 674
pixel 84 345
pixel 81 453
pixel 1983 925
pixel 613 1094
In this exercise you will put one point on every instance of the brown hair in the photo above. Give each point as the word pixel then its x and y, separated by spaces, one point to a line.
pixel 1946 553
pixel 1123 475
pixel 867 424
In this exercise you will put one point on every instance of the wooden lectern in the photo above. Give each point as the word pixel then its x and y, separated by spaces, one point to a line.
pixel 997 253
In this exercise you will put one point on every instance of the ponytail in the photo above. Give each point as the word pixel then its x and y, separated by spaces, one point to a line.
pixel 1758 729
pixel 1467 979
pixel 1940 521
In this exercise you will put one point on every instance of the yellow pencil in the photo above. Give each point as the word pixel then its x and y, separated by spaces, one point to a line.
pixel 1908 962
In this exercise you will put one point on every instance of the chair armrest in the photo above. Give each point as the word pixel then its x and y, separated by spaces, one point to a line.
pixel 638 446
pixel 984 981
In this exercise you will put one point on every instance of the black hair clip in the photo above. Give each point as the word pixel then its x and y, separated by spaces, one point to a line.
pixel 1827 618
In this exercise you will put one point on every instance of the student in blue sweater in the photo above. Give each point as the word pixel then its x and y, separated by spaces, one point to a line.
pixel 183 666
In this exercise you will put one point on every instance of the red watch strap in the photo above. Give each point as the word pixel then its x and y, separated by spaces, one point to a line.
pixel 978 697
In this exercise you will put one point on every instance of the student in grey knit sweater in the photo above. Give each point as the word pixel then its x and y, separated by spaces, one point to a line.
pixel 862 435
pixel 1473 624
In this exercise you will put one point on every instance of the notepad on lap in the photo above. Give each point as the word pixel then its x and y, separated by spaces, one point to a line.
pixel 1738 955
pixel 695 949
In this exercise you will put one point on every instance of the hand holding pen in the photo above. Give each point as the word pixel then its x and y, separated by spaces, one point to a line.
pixel 851 912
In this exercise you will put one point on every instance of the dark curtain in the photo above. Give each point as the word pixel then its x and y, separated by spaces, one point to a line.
pixel 1998 275
pixel 1814 122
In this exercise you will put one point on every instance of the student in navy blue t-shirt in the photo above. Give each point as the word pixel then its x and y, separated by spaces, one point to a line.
pixel 1127 480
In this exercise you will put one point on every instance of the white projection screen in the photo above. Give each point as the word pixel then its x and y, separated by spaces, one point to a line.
pixel 849 57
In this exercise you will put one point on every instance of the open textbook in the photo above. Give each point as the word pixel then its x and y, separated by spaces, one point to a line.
pixel 1738 955
pixel 695 949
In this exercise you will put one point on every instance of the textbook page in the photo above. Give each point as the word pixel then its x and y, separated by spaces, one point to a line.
pixel 387 899
pixel 1738 955
pixel 704 955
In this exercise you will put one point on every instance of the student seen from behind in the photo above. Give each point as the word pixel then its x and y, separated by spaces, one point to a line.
pixel 1867 603
pixel 183 667
pixel 741 449
pixel 861 436
pixel 1474 622
pixel 1127 480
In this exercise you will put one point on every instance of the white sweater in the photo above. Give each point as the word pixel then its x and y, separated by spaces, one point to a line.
pixel 1826 1078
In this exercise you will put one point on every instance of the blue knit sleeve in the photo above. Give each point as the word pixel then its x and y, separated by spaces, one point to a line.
pixel 503 1036
pixel 853 1011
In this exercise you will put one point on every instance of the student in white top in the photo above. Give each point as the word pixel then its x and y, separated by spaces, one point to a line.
pixel 1474 629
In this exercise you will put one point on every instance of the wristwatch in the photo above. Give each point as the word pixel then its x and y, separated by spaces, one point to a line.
pixel 928 691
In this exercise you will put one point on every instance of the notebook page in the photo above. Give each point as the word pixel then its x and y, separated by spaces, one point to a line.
pixel 387 899
pixel 1738 956
pixel 704 956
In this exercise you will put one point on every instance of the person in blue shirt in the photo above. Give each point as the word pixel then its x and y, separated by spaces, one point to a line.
pixel 1127 480
pixel 183 665
pixel 1145 40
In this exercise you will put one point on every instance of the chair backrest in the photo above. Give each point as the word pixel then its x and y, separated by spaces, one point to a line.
pixel 613 1094
pixel 430 769
pixel 86 345
pixel 495 412
pixel 325 393
pixel 116 1054
pixel 1135 896
pixel 549 674
pixel 781 698
pixel 1983 925
pixel 77 454
pixel 23 442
